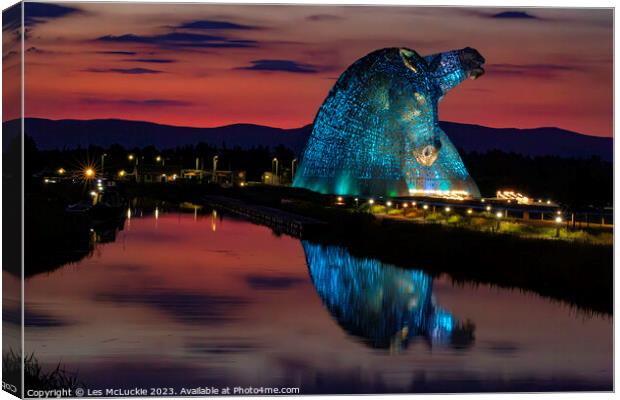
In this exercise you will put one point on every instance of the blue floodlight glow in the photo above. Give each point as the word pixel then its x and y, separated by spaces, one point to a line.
pixel 382 304
pixel 377 132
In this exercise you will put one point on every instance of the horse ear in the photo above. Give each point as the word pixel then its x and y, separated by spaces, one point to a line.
pixel 413 60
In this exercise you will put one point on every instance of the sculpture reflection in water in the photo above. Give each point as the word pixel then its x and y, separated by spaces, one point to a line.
pixel 385 305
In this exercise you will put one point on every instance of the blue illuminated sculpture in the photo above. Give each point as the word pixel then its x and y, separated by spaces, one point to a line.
pixel 377 132
pixel 384 305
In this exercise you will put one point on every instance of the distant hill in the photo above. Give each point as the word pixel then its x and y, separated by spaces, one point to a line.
pixel 532 142
pixel 51 134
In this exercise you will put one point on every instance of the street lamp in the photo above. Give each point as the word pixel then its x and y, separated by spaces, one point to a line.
pixel 499 217
pixel 447 209
pixel 89 173
pixel 469 211
pixel 275 160
pixel 558 222
pixel 214 174
pixel 61 171
pixel 388 204
pixel 130 157
pixel 103 156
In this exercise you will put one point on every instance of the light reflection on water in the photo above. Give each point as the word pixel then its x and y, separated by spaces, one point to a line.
pixel 384 305
pixel 196 299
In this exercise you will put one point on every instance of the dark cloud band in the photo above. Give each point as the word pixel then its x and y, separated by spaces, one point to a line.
pixel 180 40
pixel 281 66
pixel 128 71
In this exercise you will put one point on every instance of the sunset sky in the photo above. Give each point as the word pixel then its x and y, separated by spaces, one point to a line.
pixel 212 65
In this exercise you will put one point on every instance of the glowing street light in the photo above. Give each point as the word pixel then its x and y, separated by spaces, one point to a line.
pixel 275 161
pixel 425 207
pixel 121 173
pixel 558 222
pixel 469 211
pixel 389 204
pixel 405 207
pixel 61 171
pixel 130 157
pixel 488 208
pixel 447 209
pixel 499 217
pixel 89 173
pixel 370 203
pixel 158 158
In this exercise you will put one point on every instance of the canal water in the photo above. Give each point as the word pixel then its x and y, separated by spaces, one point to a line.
pixel 183 300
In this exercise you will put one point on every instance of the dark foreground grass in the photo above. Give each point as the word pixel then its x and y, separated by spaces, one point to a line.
pixel 34 376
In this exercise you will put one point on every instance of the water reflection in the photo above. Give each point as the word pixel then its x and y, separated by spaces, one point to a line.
pixel 384 305
pixel 182 305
